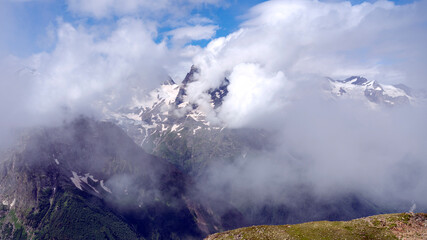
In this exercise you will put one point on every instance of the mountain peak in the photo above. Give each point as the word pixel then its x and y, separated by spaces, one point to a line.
pixel 169 81
pixel 361 88
pixel 189 78
pixel 355 80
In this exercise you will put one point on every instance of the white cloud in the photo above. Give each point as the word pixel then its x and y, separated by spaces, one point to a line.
pixel 337 39
pixel 83 64
pixel 251 90
pixel 183 35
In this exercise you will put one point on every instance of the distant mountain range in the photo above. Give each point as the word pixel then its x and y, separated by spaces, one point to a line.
pixel 372 92
pixel 167 124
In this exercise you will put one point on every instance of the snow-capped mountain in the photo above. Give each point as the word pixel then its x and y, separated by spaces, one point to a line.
pixel 371 92
pixel 168 125
pixel 165 110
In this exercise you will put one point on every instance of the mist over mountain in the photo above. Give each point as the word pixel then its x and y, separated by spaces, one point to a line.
pixel 324 147
pixel 146 121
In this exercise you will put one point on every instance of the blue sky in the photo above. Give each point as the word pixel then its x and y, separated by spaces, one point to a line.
pixel 29 25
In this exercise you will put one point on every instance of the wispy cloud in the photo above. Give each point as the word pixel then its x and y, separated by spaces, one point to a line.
pixel 183 35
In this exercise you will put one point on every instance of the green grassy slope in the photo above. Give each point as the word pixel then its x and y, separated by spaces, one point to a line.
pixel 64 215
pixel 388 226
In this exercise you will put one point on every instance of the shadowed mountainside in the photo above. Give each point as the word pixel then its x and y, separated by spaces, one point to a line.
pixel 89 180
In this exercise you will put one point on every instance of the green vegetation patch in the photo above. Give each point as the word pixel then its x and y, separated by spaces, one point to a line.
pixel 73 216
pixel 338 230
pixel 375 227
pixel 11 226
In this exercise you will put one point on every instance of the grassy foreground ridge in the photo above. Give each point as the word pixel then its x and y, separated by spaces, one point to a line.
pixel 387 226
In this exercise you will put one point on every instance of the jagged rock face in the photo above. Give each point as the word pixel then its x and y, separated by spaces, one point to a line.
pixel 92 173
pixel 217 95
pixel 189 78
pixel 376 94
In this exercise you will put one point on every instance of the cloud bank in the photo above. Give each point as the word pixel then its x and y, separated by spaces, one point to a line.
pixel 326 154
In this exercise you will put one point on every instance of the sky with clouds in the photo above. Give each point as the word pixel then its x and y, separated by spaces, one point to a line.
pixel 59 58
pixel 29 24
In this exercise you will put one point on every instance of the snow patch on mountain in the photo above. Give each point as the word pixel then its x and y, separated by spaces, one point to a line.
pixel 370 92
pixel 104 187
pixel 81 181
pixel 76 180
